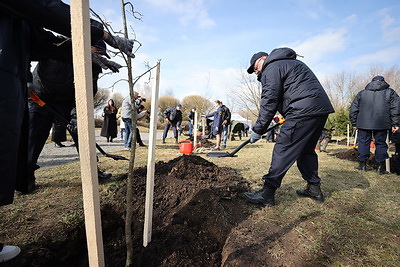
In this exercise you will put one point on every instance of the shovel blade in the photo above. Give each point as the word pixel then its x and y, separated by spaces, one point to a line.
pixel 220 154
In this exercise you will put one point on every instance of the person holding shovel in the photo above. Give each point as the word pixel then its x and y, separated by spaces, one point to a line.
pixel 173 117
pixel 290 87
pixel 374 111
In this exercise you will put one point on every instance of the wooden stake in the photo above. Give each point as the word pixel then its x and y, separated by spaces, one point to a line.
pixel 148 213
pixel 195 129
pixel 82 59
pixel 387 161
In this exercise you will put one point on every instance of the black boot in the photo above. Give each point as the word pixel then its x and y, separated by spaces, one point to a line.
pixel 381 168
pixel 362 166
pixel 163 141
pixel 103 175
pixel 266 196
pixel 312 191
pixel 176 140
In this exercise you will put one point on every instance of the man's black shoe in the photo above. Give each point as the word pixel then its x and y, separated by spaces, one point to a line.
pixel 141 144
pixel 362 166
pixel 104 175
pixel 312 191
pixel 59 144
pixel 381 169
pixel 266 196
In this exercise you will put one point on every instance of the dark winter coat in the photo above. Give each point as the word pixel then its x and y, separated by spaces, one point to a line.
pixel 174 115
pixel 226 114
pixel 191 116
pixel 217 122
pixel 375 108
pixel 20 42
pixel 290 87
pixel 109 127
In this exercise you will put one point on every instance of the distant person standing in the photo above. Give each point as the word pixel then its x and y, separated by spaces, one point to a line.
pixel 58 134
pixel 217 123
pixel 121 124
pixel 226 121
pixel 109 128
pixel 374 111
pixel 173 118
pixel 191 120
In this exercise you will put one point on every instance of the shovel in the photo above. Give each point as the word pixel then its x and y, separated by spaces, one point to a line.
pixel 232 154
pixel 70 127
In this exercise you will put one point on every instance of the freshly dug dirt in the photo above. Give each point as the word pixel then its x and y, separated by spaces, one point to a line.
pixel 351 154
pixel 196 206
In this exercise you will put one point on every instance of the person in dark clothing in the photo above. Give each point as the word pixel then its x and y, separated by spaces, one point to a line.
pixel 217 123
pixel 290 87
pixel 226 121
pixel 173 117
pixel 22 38
pixel 374 111
pixel 53 82
pixel 58 134
pixel 191 120
pixel 109 127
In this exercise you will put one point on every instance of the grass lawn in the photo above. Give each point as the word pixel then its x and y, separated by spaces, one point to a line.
pixel 357 225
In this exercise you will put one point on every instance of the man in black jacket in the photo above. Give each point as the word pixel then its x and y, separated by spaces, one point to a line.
pixel 173 117
pixel 374 111
pixel 290 87
pixel 21 38
pixel 226 121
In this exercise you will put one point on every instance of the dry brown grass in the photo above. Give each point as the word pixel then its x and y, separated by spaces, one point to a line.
pixel 358 225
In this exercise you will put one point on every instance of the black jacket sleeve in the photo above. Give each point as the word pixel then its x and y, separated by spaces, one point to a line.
pixel 355 109
pixel 271 95
pixel 51 14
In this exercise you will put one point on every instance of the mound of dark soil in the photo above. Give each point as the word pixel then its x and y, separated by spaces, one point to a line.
pixel 351 154
pixel 203 142
pixel 196 206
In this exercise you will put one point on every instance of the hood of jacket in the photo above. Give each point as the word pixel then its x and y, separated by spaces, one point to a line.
pixel 278 54
pixel 377 86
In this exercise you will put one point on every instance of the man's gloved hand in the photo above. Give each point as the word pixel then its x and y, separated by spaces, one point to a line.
pixel 113 66
pixel 125 45
pixel 105 63
pixel 254 137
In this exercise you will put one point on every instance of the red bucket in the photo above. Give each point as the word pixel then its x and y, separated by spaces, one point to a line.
pixel 186 147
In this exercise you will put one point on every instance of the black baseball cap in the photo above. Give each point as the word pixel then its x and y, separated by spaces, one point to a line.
pixel 378 78
pixel 253 60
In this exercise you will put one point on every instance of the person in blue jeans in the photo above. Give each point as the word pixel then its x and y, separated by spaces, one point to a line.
pixel 226 121
pixel 191 120
pixel 374 111
pixel 217 123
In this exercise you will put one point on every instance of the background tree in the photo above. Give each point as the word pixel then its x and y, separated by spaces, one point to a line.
pixel 118 98
pixel 246 95
pixel 202 105
pixel 165 102
pixel 100 99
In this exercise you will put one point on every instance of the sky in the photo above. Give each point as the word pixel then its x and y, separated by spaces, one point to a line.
pixel 204 44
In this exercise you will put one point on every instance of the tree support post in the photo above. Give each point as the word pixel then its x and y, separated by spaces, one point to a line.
pixel 82 61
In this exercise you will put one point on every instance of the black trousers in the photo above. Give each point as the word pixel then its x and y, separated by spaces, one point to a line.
pixel 364 141
pixel 174 129
pixel 296 142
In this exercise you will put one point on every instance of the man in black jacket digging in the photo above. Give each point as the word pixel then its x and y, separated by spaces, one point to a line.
pixel 374 111
pixel 290 87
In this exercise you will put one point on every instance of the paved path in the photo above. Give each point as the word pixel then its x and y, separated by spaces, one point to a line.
pixel 52 156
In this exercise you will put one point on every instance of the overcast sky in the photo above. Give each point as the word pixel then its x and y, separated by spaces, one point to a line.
pixel 203 44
